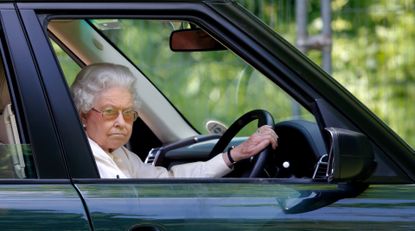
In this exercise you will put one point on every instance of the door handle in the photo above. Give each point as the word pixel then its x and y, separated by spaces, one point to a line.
pixel 146 227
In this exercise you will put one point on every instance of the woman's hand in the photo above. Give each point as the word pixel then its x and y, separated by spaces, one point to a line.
pixel 263 137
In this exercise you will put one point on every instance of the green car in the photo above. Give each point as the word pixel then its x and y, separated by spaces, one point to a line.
pixel 207 71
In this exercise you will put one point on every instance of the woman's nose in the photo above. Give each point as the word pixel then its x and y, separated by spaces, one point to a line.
pixel 120 119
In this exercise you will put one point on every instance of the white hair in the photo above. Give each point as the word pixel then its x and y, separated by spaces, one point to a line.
pixel 95 78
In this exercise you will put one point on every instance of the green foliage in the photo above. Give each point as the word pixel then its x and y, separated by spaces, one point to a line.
pixel 68 65
pixel 372 55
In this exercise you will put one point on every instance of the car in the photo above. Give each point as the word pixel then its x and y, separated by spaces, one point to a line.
pixel 209 73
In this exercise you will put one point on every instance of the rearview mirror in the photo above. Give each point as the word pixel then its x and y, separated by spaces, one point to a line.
pixel 351 156
pixel 193 40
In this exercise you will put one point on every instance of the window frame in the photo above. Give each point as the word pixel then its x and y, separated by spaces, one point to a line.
pixel 191 15
pixel 31 108
pixel 307 91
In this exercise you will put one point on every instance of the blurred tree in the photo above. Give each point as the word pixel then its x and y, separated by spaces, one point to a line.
pixel 373 51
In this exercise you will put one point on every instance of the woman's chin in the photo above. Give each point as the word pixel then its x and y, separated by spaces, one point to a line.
pixel 117 142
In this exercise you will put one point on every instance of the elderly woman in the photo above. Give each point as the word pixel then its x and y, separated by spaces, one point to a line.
pixel 106 100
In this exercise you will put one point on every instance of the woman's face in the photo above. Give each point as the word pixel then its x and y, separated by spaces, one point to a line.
pixel 109 133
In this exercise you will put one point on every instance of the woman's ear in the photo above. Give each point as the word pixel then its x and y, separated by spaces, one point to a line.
pixel 82 116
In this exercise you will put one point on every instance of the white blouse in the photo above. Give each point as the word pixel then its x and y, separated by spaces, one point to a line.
pixel 122 163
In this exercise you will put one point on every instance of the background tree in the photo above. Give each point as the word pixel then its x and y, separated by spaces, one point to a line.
pixel 373 51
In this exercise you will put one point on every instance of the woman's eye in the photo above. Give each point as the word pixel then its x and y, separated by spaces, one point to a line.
pixel 128 112
pixel 110 111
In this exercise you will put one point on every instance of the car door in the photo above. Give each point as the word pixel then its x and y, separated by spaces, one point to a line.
pixel 346 199
pixel 36 192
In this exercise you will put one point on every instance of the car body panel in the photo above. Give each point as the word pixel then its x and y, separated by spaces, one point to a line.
pixel 46 206
pixel 242 206
pixel 187 205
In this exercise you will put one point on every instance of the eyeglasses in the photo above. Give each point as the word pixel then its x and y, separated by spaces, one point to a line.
pixel 112 113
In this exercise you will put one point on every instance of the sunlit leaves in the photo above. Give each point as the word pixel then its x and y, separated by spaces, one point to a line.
pixel 372 56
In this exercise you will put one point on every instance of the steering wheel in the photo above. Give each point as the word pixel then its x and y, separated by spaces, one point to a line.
pixel 259 160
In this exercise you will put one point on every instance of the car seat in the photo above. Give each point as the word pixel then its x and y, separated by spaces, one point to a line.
pixel 11 154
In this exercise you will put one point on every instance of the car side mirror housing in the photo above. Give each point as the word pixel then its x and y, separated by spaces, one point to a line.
pixel 195 39
pixel 351 157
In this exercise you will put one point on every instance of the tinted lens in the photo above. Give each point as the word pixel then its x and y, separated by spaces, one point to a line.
pixel 130 115
pixel 112 113
pixel 109 113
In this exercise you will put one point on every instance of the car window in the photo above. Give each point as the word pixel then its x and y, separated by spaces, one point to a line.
pixel 219 83
pixel 69 67
pixel 15 157
pixel 181 92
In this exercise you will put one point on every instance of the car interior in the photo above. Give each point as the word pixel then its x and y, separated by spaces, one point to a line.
pixel 161 135
pixel 12 164
pixel 164 135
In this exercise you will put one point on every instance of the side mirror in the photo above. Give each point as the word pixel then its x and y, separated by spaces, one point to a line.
pixel 193 40
pixel 351 156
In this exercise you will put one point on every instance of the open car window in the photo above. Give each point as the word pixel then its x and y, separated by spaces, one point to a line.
pixel 190 92
pixel 204 85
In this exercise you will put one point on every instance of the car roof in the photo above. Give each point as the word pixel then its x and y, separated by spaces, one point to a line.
pixel 100 1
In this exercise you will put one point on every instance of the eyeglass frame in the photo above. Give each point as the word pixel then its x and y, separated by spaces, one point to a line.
pixel 109 117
